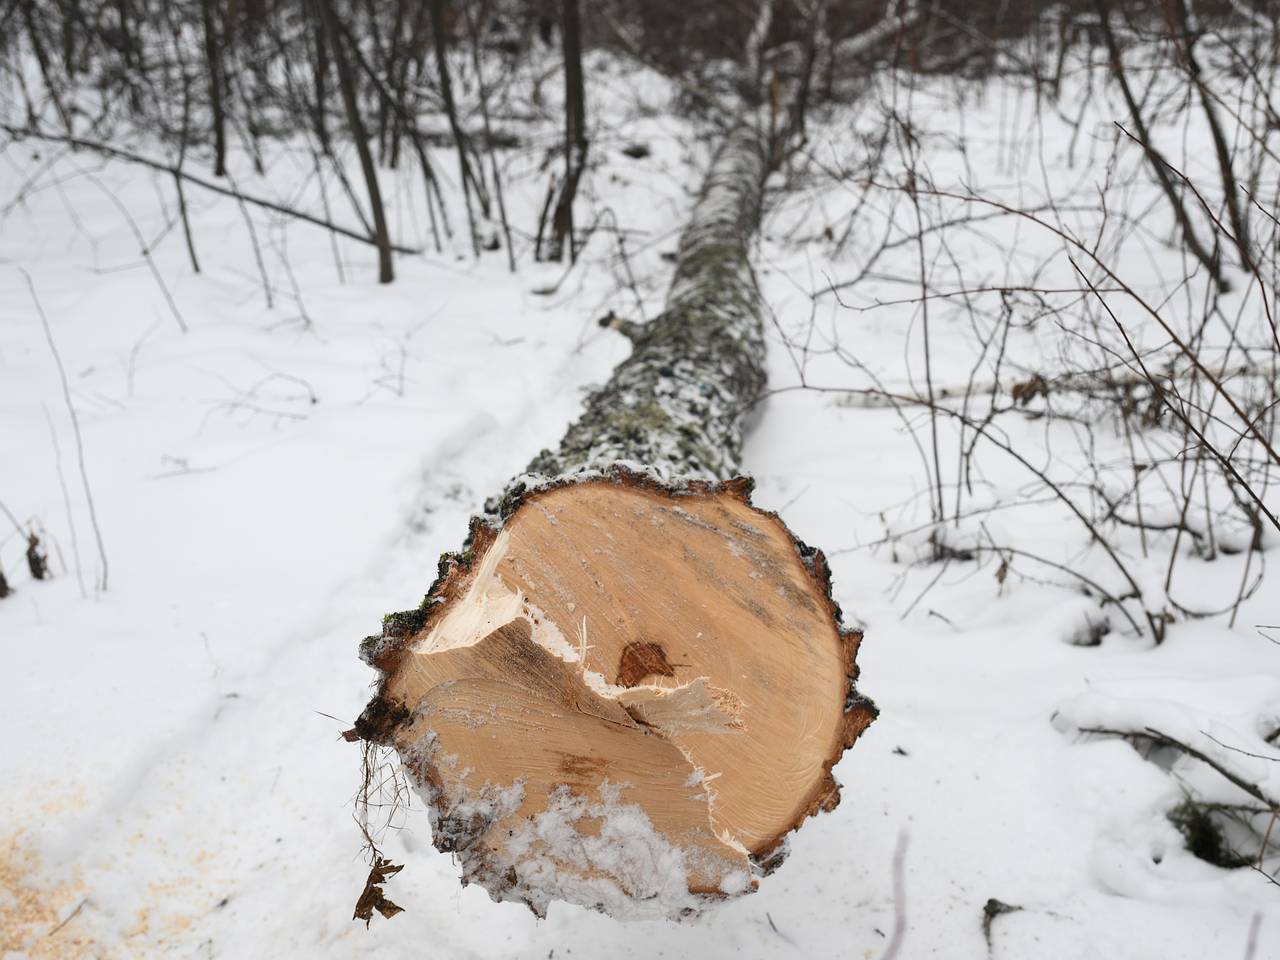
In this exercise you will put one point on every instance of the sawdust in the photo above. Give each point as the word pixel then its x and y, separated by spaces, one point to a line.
pixel 45 917
pixel 38 919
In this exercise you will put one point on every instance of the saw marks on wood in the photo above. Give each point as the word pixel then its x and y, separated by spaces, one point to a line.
pixel 624 679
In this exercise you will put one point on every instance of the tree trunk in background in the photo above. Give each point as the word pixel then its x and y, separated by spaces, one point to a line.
pixel 133 60
pixel 213 56
pixel 631 685
pixel 1159 166
pixel 575 133
pixel 346 83
pixel 319 73
pixel 42 59
pixel 465 173
pixel 72 25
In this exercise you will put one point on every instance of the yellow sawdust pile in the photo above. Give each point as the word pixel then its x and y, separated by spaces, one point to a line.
pixel 32 913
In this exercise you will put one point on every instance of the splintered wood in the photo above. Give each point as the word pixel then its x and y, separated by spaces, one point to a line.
pixel 625 698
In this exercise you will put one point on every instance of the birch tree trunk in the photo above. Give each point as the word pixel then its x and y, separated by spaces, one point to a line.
pixel 631 684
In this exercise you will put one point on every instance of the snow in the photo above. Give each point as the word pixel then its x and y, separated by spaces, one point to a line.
pixel 651 873
pixel 271 482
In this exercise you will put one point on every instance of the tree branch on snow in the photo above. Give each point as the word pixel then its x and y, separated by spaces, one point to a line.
pixel 118 153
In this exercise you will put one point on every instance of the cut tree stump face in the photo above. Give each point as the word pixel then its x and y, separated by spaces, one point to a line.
pixel 626 700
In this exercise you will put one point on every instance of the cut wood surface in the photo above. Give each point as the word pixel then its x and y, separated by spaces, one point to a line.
pixel 627 697
pixel 631 684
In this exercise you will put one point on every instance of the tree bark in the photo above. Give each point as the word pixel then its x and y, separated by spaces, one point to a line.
pixel 631 684
pixel 676 406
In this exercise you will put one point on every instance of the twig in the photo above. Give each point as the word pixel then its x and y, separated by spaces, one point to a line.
pixel 75 427
pixel 71 916
pixel 253 241
pixel 66 499
pixel 1163 739
pixel 899 900
pixel 1251 946
pixel 1227 746
pixel 143 247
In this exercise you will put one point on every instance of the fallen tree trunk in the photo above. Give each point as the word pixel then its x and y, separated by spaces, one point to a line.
pixel 631 684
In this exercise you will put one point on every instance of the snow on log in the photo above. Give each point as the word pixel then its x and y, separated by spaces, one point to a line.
pixel 631 684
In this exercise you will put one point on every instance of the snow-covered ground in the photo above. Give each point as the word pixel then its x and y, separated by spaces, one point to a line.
pixel 270 482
